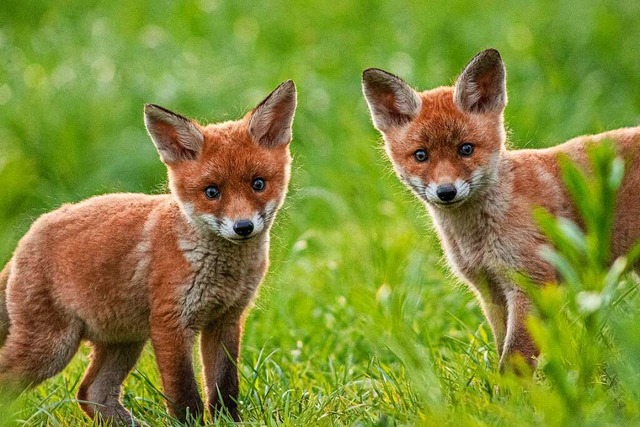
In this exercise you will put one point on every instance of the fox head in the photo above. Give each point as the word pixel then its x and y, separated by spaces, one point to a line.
pixel 445 143
pixel 229 178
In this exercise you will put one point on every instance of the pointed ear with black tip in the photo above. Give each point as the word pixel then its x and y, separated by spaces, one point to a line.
pixel 481 88
pixel 391 101
pixel 271 121
pixel 176 138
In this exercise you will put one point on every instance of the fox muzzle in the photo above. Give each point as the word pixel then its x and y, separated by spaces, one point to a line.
pixel 243 227
pixel 446 192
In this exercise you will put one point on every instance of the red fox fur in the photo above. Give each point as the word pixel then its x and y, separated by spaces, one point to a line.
pixel 118 269
pixel 448 146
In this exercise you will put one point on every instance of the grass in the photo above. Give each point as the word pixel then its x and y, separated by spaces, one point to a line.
pixel 359 321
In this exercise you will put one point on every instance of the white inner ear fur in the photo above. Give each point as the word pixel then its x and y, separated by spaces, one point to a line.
pixel 188 138
pixel 468 96
pixel 388 112
pixel 482 87
pixel 272 119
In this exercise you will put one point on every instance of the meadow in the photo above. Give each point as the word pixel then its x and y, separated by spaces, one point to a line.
pixel 359 321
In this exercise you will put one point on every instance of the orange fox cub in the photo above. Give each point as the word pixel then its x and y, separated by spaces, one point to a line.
pixel 118 269
pixel 448 146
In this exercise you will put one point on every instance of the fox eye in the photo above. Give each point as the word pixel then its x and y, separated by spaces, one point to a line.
pixel 466 149
pixel 212 192
pixel 258 184
pixel 420 156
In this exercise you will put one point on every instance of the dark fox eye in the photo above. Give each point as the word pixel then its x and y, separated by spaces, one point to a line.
pixel 258 184
pixel 212 192
pixel 420 156
pixel 466 149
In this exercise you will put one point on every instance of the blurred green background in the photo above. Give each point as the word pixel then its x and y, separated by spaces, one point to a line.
pixel 359 319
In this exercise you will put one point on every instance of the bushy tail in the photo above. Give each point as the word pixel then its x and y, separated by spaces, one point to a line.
pixel 4 315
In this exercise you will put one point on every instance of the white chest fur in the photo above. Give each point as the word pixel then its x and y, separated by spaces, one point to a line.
pixel 480 238
pixel 224 277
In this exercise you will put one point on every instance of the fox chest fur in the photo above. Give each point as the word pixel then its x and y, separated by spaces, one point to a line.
pixel 484 249
pixel 496 236
pixel 223 277
pixel 195 277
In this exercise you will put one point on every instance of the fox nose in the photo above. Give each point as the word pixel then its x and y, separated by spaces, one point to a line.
pixel 243 227
pixel 446 192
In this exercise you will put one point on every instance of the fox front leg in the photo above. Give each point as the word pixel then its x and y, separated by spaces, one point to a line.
pixel 220 347
pixel 518 345
pixel 173 349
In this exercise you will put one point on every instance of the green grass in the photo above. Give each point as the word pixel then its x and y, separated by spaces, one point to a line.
pixel 359 321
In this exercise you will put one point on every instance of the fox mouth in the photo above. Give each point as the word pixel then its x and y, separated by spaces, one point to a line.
pixel 447 205
pixel 239 240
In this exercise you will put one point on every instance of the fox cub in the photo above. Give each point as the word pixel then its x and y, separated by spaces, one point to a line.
pixel 118 269
pixel 448 146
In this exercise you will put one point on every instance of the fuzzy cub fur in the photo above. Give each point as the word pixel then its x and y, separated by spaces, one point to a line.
pixel 448 146
pixel 118 269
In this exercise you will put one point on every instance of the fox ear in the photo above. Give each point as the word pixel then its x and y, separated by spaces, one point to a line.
pixel 176 138
pixel 271 121
pixel 391 101
pixel 481 88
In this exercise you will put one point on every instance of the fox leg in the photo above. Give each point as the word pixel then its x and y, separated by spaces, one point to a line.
pixel 496 314
pixel 220 348
pixel 518 341
pixel 99 393
pixel 173 348
pixel 494 306
pixel 37 348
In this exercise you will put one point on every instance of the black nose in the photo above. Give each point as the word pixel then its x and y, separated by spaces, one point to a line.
pixel 243 228
pixel 446 192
